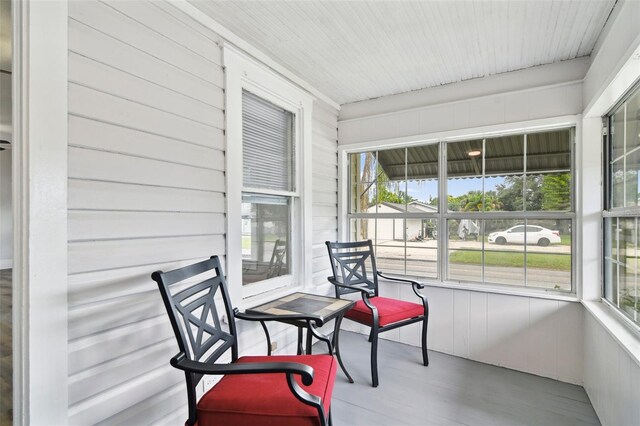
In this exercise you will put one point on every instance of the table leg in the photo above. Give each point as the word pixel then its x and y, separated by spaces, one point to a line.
pixel 336 345
pixel 300 350
pixel 309 341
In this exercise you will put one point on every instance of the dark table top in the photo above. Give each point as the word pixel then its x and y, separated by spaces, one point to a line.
pixel 306 304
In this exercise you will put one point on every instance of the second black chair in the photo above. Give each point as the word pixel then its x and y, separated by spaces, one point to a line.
pixel 354 271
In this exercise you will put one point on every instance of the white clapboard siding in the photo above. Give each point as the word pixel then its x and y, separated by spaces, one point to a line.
pixel 174 30
pixel 146 192
pixel 168 408
pixel 105 18
pixel 107 166
pixel 111 196
pixel 91 43
pixel 87 133
pixel 86 102
pixel 98 348
pixel 105 78
pixel 325 186
pixel 103 255
pixel 104 376
pixel 124 395
pixel 99 225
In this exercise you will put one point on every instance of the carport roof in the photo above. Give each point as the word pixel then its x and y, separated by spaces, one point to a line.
pixel 546 151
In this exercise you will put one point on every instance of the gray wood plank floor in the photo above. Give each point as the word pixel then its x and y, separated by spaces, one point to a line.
pixel 451 391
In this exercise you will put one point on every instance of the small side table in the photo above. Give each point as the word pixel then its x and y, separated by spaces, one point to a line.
pixel 305 304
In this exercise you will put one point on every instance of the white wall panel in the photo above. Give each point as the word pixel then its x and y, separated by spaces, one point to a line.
pixel 147 192
pixel 324 195
pixel 499 108
pixel 96 195
pixel 102 255
pixel 478 349
pixel 87 133
pixel 95 75
pixel 105 18
pixel 106 107
pixel 538 336
pixel 91 43
pixel 461 323
pixel 612 377
pixel 112 167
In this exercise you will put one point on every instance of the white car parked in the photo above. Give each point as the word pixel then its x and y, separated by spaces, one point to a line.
pixel 535 235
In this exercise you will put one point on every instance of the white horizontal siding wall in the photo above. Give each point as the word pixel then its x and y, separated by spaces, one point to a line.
pixel 325 187
pixel 147 192
pixel 538 336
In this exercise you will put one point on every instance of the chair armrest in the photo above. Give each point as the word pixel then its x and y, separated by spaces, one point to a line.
pixel 366 292
pixel 414 284
pixel 317 320
pixel 182 363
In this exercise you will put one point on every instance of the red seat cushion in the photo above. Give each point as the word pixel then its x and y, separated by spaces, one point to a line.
pixel 265 399
pixel 389 311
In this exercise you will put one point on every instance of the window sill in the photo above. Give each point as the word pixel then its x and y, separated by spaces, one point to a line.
pixel 496 289
pixel 627 338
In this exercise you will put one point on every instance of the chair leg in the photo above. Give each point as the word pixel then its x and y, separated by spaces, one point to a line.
pixel 330 419
pixel 370 334
pixel 425 355
pixel 374 357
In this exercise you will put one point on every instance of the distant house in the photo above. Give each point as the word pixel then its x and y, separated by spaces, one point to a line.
pixel 393 229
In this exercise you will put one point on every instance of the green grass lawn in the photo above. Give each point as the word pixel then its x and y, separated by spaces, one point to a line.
pixel 246 241
pixel 534 260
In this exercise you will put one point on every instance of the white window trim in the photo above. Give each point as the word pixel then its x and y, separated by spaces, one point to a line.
pixel 475 133
pixel 242 72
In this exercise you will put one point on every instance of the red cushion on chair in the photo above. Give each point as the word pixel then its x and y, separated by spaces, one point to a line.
pixel 389 311
pixel 265 399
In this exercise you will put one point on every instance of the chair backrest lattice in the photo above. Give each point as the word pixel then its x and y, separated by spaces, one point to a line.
pixel 194 315
pixel 353 264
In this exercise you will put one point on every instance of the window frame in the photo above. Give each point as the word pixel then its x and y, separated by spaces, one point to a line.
pixel 617 213
pixel 531 126
pixel 244 73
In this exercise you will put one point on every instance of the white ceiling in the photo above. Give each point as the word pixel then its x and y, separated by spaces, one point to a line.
pixel 360 50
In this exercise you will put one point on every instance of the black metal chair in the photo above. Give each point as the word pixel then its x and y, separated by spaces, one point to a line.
pixel 354 271
pixel 255 390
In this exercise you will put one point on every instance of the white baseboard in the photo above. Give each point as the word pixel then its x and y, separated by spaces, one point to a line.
pixel 6 263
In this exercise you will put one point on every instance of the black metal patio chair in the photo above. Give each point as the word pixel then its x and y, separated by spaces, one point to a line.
pixel 354 271
pixel 255 390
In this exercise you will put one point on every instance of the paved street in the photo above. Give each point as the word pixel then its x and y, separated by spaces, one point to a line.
pixel 422 262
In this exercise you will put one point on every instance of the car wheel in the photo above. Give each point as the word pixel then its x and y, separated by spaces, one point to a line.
pixel 543 242
pixel 501 240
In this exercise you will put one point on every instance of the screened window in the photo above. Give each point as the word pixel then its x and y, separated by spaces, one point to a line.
pixel 494 210
pixel 622 207
pixel 269 184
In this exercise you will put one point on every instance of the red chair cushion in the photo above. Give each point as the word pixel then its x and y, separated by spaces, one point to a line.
pixel 265 399
pixel 389 311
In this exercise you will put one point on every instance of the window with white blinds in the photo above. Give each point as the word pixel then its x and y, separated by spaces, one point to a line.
pixel 267 145
pixel 268 194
